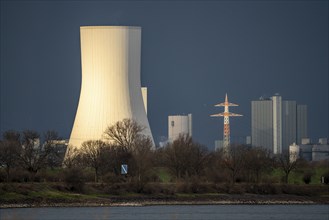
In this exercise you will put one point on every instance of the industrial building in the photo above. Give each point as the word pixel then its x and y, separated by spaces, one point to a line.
pixel 111 86
pixel 179 125
pixel 277 123
pixel 301 123
pixel 144 94
pixel 309 151
pixel 219 144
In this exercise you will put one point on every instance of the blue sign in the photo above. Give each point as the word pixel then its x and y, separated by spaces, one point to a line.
pixel 124 169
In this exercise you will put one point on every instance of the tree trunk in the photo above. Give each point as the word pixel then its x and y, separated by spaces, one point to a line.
pixel 96 175
pixel 8 173
pixel 286 177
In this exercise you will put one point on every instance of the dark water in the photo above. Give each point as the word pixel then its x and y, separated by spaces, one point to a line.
pixel 198 212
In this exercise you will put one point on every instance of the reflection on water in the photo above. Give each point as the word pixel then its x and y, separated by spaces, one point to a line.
pixel 227 212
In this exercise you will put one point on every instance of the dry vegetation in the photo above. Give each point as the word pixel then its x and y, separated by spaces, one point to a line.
pixel 32 172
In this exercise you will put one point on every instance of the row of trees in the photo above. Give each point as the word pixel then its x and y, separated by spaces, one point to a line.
pixel 25 151
pixel 124 143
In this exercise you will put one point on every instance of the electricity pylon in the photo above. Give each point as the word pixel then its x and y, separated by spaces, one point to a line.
pixel 226 114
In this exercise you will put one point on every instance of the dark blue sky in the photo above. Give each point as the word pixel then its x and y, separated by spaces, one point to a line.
pixel 193 52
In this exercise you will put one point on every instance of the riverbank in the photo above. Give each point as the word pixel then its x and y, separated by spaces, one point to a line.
pixel 207 199
pixel 57 195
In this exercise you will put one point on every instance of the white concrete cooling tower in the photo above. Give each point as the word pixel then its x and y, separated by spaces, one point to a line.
pixel 111 87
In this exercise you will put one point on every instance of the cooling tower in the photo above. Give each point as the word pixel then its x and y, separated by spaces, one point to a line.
pixel 110 86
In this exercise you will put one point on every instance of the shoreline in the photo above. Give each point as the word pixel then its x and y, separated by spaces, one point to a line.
pixel 140 202
pixel 30 195
pixel 81 205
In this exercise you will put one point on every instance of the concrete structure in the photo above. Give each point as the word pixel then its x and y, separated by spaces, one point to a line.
pixel 306 141
pixel 289 124
pixel 320 151
pixel 323 140
pixel 179 125
pixel 294 152
pixel 305 152
pixel 262 123
pixel 248 140
pixel 309 151
pixel 110 87
pixel 219 144
pixel 306 149
pixel 275 123
pixel 301 123
pixel 144 94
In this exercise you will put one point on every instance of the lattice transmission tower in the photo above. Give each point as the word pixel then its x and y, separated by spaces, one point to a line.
pixel 226 114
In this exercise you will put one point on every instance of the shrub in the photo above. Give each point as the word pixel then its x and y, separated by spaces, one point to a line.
pixel 3 175
pixel 114 189
pixel 307 178
pixel 264 189
pixel 236 189
pixel 74 179
pixel 113 178
pixel 47 175
pixel 152 189
pixel 20 176
pixel 298 190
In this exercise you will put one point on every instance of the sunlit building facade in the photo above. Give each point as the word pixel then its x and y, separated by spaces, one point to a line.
pixel 111 87
pixel 179 125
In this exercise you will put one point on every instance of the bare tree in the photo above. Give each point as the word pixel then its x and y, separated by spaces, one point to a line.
pixel 199 156
pixel 32 155
pixel 185 157
pixel 130 146
pixel 124 133
pixel 257 161
pixel 72 157
pixel 50 140
pixel 92 153
pixel 286 164
pixel 11 136
pixel 115 157
pixel 176 155
pixel 233 159
pixel 142 158
pixel 9 149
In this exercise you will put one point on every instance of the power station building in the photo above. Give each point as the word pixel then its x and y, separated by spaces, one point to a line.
pixel 277 123
pixel 310 152
pixel 179 125
pixel 111 86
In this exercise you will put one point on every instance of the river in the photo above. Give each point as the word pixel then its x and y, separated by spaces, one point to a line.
pixel 170 212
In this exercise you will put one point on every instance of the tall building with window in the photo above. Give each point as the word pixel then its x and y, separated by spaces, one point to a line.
pixel 301 123
pixel 262 123
pixel 289 124
pixel 179 125
pixel 277 123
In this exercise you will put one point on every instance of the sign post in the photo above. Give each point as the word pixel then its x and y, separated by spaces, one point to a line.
pixel 124 169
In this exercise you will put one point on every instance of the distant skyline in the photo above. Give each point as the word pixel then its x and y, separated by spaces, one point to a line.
pixel 193 52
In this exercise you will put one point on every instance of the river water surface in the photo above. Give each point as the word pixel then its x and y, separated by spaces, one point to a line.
pixel 197 212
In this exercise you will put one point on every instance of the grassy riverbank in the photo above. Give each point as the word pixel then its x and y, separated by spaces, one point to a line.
pixel 58 194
